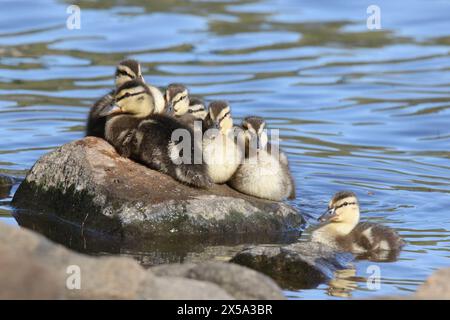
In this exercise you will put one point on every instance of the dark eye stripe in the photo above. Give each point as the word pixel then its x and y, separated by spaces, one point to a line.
pixel 127 95
pixel 124 73
pixel 345 204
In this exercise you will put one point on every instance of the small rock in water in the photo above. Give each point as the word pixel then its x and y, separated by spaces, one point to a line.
pixel 86 182
pixel 300 265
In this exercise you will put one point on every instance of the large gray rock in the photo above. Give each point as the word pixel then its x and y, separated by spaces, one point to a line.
pixel 296 266
pixel 88 183
pixel 236 281
pixel 34 268
pixel 437 286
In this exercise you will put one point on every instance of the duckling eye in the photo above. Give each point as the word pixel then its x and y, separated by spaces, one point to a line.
pixel 345 204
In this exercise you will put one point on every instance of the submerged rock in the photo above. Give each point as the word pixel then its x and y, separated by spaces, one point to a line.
pixel 300 265
pixel 34 268
pixel 86 182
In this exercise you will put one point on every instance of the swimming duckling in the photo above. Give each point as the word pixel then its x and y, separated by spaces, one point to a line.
pixel 137 132
pixel 344 231
pixel 264 173
pixel 126 70
pixel 220 150
pixel 184 108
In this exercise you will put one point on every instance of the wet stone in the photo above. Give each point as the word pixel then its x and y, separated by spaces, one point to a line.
pixel 301 265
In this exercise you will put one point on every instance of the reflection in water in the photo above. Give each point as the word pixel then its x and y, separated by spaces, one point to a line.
pixel 148 251
pixel 343 284
pixel 357 109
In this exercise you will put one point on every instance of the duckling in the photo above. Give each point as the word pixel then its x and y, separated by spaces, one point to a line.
pixel 264 173
pixel 137 132
pixel 197 108
pixel 344 231
pixel 126 70
pixel 130 69
pixel 184 108
pixel 220 150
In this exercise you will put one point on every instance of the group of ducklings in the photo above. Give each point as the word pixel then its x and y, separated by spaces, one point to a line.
pixel 139 121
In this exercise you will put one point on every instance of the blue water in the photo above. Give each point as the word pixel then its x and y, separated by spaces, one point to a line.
pixel 362 110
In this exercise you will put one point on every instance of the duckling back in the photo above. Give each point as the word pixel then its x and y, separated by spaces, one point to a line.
pixel 372 237
pixel 154 147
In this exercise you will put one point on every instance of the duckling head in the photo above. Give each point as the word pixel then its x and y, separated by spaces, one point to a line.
pixel 177 99
pixel 197 108
pixel 343 211
pixel 254 133
pixel 219 116
pixel 133 98
pixel 128 70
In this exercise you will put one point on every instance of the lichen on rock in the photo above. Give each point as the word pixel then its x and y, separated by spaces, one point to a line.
pixel 86 182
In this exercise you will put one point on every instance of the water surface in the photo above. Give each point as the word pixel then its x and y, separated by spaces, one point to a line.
pixel 362 110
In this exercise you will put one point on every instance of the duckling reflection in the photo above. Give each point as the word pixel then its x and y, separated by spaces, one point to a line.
pixel 343 283
pixel 343 231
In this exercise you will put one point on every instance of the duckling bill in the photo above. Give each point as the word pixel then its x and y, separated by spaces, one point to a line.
pixel 126 70
pixel 342 229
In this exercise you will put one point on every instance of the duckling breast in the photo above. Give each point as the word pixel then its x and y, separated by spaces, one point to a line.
pixel 222 156
pixel 262 177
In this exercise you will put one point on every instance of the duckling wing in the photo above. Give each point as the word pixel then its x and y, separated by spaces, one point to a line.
pixel 95 125
pixel 376 237
pixel 157 150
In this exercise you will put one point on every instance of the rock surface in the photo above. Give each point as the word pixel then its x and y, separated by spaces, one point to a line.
pixel 34 268
pixel 239 282
pixel 437 286
pixel 5 185
pixel 88 183
pixel 296 266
